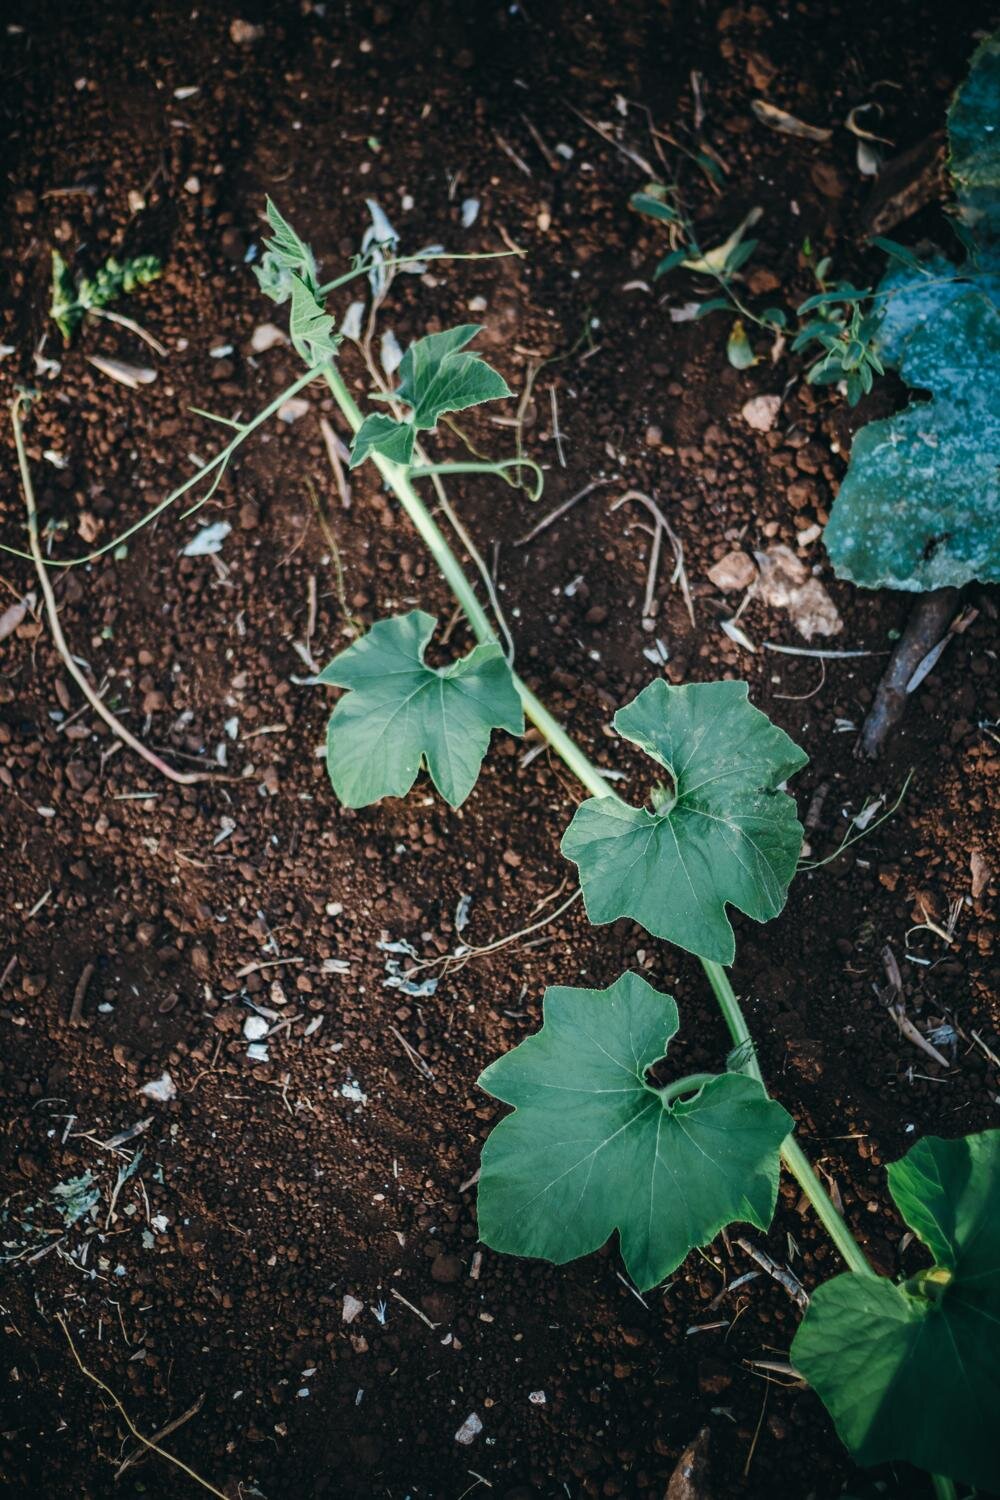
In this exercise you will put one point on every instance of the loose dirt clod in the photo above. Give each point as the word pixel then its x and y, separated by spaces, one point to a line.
pixel 786 583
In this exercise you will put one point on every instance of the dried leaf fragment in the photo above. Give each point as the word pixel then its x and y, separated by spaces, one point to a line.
pixel 786 124
pixel 134 376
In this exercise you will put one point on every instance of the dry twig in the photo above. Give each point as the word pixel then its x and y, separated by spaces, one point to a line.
pixel 780 1274
pixel 663 527
pixel 139 1453
pixel 183 778
pixel 148 1443
pixel 559 512
pixel 333 446
pixel 80 994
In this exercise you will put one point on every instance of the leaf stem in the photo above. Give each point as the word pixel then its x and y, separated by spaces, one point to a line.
pixel 419 471
pixel 944 1488
pixel 680 1086
pixel 409 260
pixel 398 477
pixel 792 1154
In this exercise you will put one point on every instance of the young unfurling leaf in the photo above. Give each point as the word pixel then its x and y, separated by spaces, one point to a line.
pixel 910 1371
pixel 593 1146
pixel 285 256
pixel 739 350
pixel 437 375
pixel 310 327
pixel 64 307
pixel 382 434
pixel 401 714
pixel 723 833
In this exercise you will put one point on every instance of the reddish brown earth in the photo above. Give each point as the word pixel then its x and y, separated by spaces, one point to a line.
pixel 278 1194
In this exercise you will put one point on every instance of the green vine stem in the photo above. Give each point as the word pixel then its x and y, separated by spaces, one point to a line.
pixel 220 462
pixel 392 262
pixel 681 1086
pixel 398 477
pixel 425 470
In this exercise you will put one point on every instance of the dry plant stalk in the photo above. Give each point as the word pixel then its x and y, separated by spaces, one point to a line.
pixel 182 778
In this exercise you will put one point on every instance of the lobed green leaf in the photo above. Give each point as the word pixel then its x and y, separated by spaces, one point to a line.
pixel 436 376
pixel 401 714
pixel 593 1147
pixel 919 507
pixel 910 1371
pixel 724 834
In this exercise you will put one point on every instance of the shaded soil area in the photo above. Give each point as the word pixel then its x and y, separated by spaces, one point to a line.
pixel 208 1280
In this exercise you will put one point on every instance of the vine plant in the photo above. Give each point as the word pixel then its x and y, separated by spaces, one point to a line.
pixel 596 1142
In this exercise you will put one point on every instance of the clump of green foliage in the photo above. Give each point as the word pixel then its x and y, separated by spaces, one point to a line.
pixel 722 265
pixel 72 300
pixel 835 320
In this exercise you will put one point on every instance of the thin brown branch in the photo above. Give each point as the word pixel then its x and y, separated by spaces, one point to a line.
pixel 183 778
pixel 146 1442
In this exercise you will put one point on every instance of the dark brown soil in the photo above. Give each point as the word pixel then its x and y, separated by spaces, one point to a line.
pixel 265 1192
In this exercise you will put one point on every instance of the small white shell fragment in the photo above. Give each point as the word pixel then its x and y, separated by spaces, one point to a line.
pixel 537 1398
pixel 470 212
pixel 208 540
pixel 162 1089
pixel 15 615
pixel 761 412
pixel 469 1430
pixel 255 1028
pixel 352 1307
pixel 292 409
pixel 354 1092
pixel 390 353
pixel 265 336
pixel 257 1052
pixel 134 376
